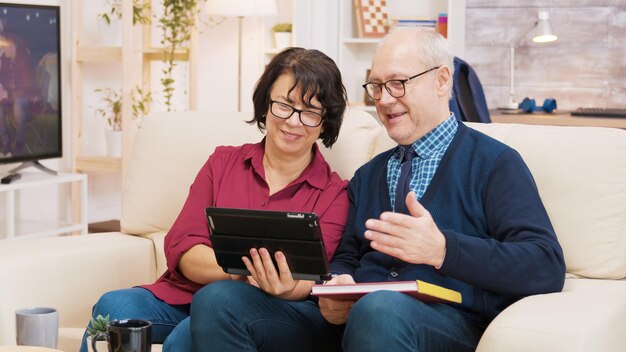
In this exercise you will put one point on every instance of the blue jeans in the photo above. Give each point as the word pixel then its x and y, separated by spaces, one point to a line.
pixel 236 316
pixel 139 303
pixel 392 321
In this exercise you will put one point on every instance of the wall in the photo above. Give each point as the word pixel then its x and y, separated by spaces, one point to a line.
pixel 585 67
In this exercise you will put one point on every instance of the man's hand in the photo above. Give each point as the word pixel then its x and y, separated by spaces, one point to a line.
pixel 265 276
pixel 336 311
pixel 413 239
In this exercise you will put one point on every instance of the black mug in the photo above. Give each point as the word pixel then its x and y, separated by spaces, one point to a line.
pixel 129 335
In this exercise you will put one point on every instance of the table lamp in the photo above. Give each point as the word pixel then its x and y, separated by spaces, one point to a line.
pixel 541 33
pixel 241 9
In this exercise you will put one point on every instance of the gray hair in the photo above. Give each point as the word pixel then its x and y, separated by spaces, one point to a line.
pixel 431 48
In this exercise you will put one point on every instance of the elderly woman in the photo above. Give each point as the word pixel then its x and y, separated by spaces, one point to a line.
pixel 299 99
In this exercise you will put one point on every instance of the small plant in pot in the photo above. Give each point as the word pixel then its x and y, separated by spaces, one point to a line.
pixel 282 34
pixel 112 113
pixel 282 27
pixel 96 326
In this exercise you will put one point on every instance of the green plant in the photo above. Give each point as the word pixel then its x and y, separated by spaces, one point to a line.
pixel 116 11
pixel 97 325
pixel 112 113
pixel 282 27
pixel 177 23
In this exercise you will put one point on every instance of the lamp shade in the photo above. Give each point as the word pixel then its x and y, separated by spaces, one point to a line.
pixel 241 8
pixel 543 32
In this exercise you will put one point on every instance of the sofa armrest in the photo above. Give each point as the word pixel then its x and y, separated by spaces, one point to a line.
pixel 589 315
pixel 69 273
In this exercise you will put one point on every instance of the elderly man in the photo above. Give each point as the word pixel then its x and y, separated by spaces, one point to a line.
pixel 472 220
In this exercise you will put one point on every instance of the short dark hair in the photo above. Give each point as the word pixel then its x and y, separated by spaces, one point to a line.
pixel 317 76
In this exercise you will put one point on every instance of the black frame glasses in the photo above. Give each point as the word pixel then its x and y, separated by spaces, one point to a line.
pixel 306 117
pixel 395 87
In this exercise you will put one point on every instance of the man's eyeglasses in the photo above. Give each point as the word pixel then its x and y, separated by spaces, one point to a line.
pixel 284 111
pixel 395 87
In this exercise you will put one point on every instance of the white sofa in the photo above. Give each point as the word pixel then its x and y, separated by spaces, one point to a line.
pixel 580 172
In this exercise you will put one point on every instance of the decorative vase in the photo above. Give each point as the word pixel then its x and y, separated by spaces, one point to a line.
pixel 101 345
pixel 114 143
pixel 282 39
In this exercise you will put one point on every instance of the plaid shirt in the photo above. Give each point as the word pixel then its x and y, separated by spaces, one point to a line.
pixel 429 149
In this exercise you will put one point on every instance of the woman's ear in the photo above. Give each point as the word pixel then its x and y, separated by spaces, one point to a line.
pixel 444 80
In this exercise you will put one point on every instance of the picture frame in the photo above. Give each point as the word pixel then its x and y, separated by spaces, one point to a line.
pixel 372 18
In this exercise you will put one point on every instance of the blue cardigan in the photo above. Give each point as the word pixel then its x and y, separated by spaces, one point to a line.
pixel 500 243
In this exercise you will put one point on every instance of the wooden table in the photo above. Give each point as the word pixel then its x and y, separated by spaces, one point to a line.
pixel 26 349
pixel 558 119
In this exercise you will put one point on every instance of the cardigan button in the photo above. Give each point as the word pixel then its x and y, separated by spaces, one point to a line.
pixel 394 274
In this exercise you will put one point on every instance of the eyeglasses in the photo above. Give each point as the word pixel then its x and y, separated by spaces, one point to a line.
pixel 395 87
pixel 284 111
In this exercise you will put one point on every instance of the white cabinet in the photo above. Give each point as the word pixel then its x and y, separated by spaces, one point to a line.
pixel 355 54
pixel 15 225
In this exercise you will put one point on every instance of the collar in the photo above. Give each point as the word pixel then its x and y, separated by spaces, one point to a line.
pixel 315 174
pixel 433 141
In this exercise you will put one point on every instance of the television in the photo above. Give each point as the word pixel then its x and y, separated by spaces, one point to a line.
pixel 30 87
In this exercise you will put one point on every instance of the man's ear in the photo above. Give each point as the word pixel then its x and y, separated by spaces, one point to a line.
pixel 444 80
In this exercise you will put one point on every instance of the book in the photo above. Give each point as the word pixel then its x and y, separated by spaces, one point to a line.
pixel 419 289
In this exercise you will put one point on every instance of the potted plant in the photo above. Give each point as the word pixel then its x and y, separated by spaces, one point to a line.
pixel 282 35
pixel 96 326
pixel 112 113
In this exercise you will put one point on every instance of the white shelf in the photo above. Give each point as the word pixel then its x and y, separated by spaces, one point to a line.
pixel 33 179
pixel 15 226
pixel 352 40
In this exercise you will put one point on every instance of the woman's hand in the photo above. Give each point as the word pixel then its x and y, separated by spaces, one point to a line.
pixel 336 311
pixel 264 274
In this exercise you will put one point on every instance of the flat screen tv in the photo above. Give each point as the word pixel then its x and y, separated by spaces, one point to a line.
pixel 30 87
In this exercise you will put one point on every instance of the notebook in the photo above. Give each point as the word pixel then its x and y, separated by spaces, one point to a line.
pixel 297 234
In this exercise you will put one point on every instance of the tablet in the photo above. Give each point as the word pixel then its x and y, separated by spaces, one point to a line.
pixel 297 234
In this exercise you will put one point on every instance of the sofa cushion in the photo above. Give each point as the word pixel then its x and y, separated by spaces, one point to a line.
pixel 355 145
pixel 170 149
pixel 589 315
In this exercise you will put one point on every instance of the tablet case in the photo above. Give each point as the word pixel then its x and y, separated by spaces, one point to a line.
pixel 297 234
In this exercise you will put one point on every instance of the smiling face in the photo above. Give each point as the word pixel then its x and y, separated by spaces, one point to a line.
pixel 289 137
pixel 425 102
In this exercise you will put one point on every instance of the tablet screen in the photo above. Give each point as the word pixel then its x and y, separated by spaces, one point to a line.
pixel 297 234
